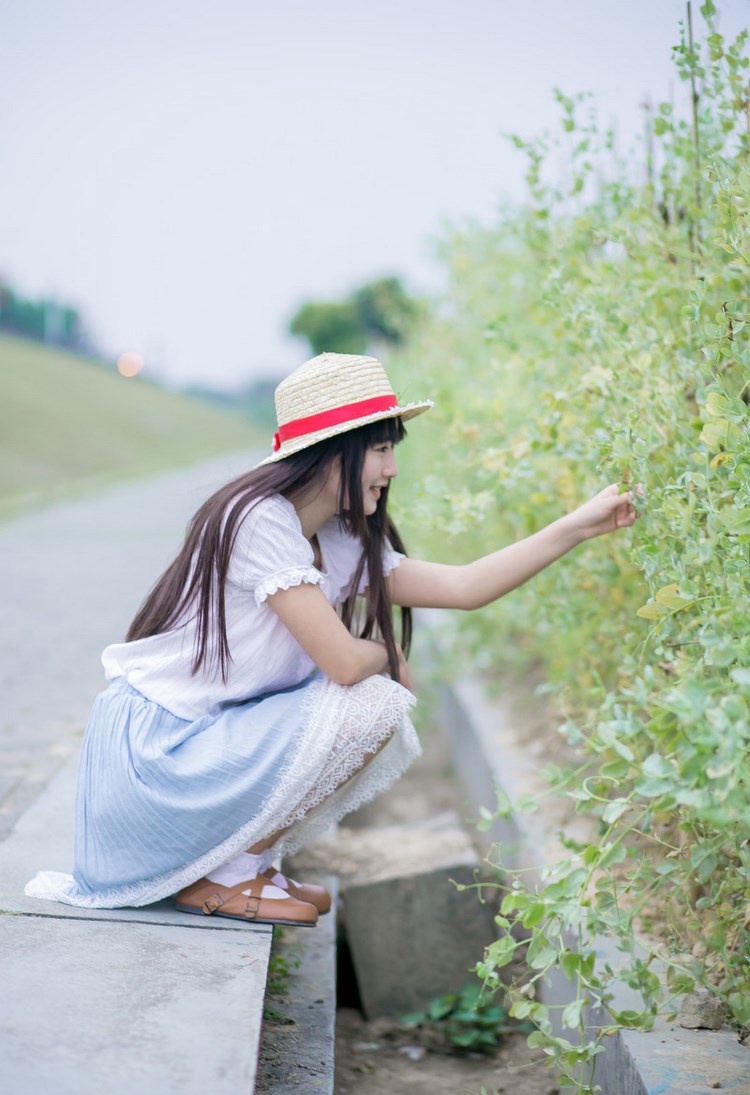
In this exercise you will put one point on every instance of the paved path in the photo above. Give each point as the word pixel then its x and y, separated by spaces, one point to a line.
pixel 148 999
pixel 71 578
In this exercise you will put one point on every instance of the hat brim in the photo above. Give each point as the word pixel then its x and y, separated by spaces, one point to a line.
pixel 297 444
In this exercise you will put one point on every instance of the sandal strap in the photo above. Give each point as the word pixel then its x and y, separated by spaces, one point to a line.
pixel 219 895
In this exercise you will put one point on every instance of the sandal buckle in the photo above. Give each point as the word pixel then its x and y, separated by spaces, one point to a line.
pixel 211 904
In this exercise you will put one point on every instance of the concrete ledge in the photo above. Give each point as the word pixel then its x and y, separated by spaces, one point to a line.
pixel 125 1007
pixel 122 1000
pixel 488 756
pixel 301 1056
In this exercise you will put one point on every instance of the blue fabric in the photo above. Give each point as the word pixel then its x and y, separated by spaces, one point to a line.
pixel 163 800
pixel 156 792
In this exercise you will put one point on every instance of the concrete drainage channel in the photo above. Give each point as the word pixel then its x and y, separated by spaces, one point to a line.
pixel 406 934
pixel 490 754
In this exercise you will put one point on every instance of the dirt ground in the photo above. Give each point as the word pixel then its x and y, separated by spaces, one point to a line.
pixel 383 1056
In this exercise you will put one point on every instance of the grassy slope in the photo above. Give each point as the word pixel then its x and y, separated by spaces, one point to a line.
pixel 70 425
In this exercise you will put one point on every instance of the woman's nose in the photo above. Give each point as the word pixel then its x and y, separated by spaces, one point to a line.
pixel 391 467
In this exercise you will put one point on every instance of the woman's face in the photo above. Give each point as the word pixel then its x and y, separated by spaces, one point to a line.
pixel 378 469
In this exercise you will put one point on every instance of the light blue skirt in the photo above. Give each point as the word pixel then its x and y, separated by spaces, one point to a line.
pixel 162 800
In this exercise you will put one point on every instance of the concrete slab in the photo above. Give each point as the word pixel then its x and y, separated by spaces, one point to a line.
pixel 94 1006
pixel 688 1062
pixel 671 1061
pixel 299 1057
pixel 42 839
pixel 415 937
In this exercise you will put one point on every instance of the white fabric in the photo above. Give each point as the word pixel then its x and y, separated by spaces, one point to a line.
pixel 270 553
pixel 339 728
pixel 243 867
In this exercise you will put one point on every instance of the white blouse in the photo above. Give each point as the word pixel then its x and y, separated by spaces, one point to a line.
pixel 270 553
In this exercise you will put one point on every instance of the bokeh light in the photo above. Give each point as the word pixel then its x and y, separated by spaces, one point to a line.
pixel 130 363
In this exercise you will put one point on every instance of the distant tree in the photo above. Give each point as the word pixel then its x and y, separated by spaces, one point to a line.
pixel 334 326
pixel 380 311
pixel 385 309
pixel 44 320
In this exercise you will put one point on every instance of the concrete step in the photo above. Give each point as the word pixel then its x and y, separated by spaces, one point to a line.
pixel 122 1000
pixel 297 1055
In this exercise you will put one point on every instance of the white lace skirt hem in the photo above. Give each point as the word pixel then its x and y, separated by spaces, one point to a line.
pixel 346 745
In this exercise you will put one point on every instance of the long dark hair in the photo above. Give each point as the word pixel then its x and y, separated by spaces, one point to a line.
pixel 197 577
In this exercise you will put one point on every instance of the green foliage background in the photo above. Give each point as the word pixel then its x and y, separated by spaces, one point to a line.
pixel 600 334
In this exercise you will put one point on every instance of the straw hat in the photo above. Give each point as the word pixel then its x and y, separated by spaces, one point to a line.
pixel 330 394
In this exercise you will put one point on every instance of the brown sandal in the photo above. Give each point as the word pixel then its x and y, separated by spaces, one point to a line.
pixel 302 891
pixel 209 899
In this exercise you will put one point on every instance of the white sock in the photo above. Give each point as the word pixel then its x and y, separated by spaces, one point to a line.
pixel 267 859
pixel 243 867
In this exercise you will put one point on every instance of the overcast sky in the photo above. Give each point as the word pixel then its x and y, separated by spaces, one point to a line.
pixel 188 173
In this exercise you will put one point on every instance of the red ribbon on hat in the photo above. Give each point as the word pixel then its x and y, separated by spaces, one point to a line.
pixel 349 412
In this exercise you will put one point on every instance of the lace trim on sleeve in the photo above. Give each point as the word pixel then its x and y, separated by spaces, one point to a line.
pixel 285 579
pixel 391 559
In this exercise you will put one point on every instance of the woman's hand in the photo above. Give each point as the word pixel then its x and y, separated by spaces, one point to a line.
pixel 607 511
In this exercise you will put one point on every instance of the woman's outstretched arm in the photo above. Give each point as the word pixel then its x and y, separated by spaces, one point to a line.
pixel 418 584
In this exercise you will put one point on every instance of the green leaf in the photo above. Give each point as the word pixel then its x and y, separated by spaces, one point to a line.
pixel 611 854
pixel 464 1038
pixel 414 1018
pixel 438 1009
pixel 654 788
pixel 679 981
pixel 634 1020
pixel 567 886
pixel 614 809
pixel 717 404
pixel 657 765
pixel 540 953
pixel 616 769
pixel 521 1008
pixel 538 1039
pixel 571 1016
pixel 624 750
pixel 736 521
pixel 740 1005
pixel 502 950
pixel 534 915
pixel 721 434
pixel 652 611
pixel 671 597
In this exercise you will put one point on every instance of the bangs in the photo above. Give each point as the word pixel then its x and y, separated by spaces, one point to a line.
pixel 387 429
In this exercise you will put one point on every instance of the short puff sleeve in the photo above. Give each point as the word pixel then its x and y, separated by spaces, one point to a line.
pixel 270 552
pixel 341 555
pixel 391 559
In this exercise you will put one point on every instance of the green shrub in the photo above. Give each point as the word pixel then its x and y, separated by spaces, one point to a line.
pixel 467 1020
pixel 600 334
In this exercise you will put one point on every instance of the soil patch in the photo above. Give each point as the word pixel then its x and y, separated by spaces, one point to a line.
pixel 383 1058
